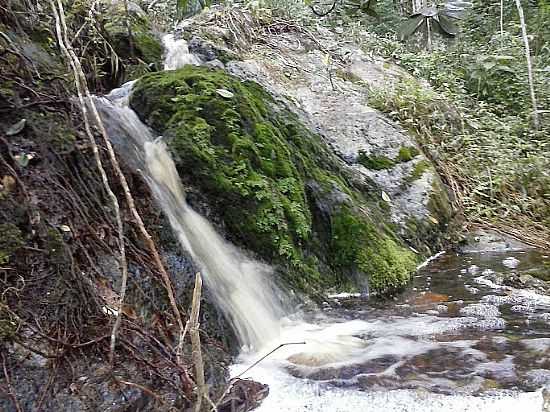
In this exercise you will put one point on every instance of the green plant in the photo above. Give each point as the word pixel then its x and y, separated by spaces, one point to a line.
pixel 435 19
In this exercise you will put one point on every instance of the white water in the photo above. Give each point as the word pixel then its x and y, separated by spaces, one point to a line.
pixel 177 53
pixel 244 291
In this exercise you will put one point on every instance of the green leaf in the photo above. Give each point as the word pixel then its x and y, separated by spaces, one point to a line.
pixel 447 25
pixel 409 26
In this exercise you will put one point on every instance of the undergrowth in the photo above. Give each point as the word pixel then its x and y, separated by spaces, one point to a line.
pixel 475 121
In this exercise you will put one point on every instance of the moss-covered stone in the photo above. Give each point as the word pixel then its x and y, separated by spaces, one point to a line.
pixel 147 48
pixel 418 170
pixel 357 244
pixel 278 189
pixel 375 162
pixel 8 326
pixel 407 153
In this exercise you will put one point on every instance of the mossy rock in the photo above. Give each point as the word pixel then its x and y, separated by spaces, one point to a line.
pixel 147 48
pixel 407 153
pixel 276 186
pixel 11 239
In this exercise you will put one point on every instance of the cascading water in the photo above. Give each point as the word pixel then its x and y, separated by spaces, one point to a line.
pixel 242 288
pixel 447 338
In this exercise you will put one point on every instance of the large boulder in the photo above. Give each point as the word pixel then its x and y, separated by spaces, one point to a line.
pixel 278 188
pixel 327 80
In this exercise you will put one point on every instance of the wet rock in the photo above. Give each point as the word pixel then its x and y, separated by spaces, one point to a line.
pixel 522 308
pixel 480 310
pixel 471 289
pixel 525 281
pixel 244 395
pixel 442 308
pixel 472 270
pixel 511 262
pixel 538 377
pixel 483 241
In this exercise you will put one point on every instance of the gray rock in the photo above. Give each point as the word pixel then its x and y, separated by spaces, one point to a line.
pixel 511 262
pixel 480 310
pixel 488 241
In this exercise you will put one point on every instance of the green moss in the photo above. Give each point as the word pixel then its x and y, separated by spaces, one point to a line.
pixel 439 204
pixel 60 134
pixel 358 245
pixel 55 246
pixel 375 162
pixel 380 162
pixel 348 76
pixel 418 170
pixel 253 161
pixel 407 153
pixel 11 239
pixel 8 326
pixel 147 46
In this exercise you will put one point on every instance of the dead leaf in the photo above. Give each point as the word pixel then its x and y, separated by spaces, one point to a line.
pixel 433 220
pixel 129 312
pixel 430 298
pixel 385 197
pixel 8 184
pixel 225 93
pixel 16 128
pixel 23 159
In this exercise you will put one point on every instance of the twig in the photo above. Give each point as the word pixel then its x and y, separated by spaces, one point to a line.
pixel 230 385
pixel 80 80
pixel 11 392
pixel 82 89
pixel 193 324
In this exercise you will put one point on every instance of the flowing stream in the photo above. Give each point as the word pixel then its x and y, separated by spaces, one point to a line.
pixel 458 340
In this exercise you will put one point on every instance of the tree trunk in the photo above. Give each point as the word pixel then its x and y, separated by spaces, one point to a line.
pixel 529 64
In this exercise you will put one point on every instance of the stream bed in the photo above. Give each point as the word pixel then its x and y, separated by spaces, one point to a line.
pixel 471 333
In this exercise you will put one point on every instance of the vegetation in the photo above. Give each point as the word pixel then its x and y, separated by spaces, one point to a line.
pixel 477 101
pixel 477 120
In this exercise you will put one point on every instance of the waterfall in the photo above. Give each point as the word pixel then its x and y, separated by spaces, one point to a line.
pixel 242 288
